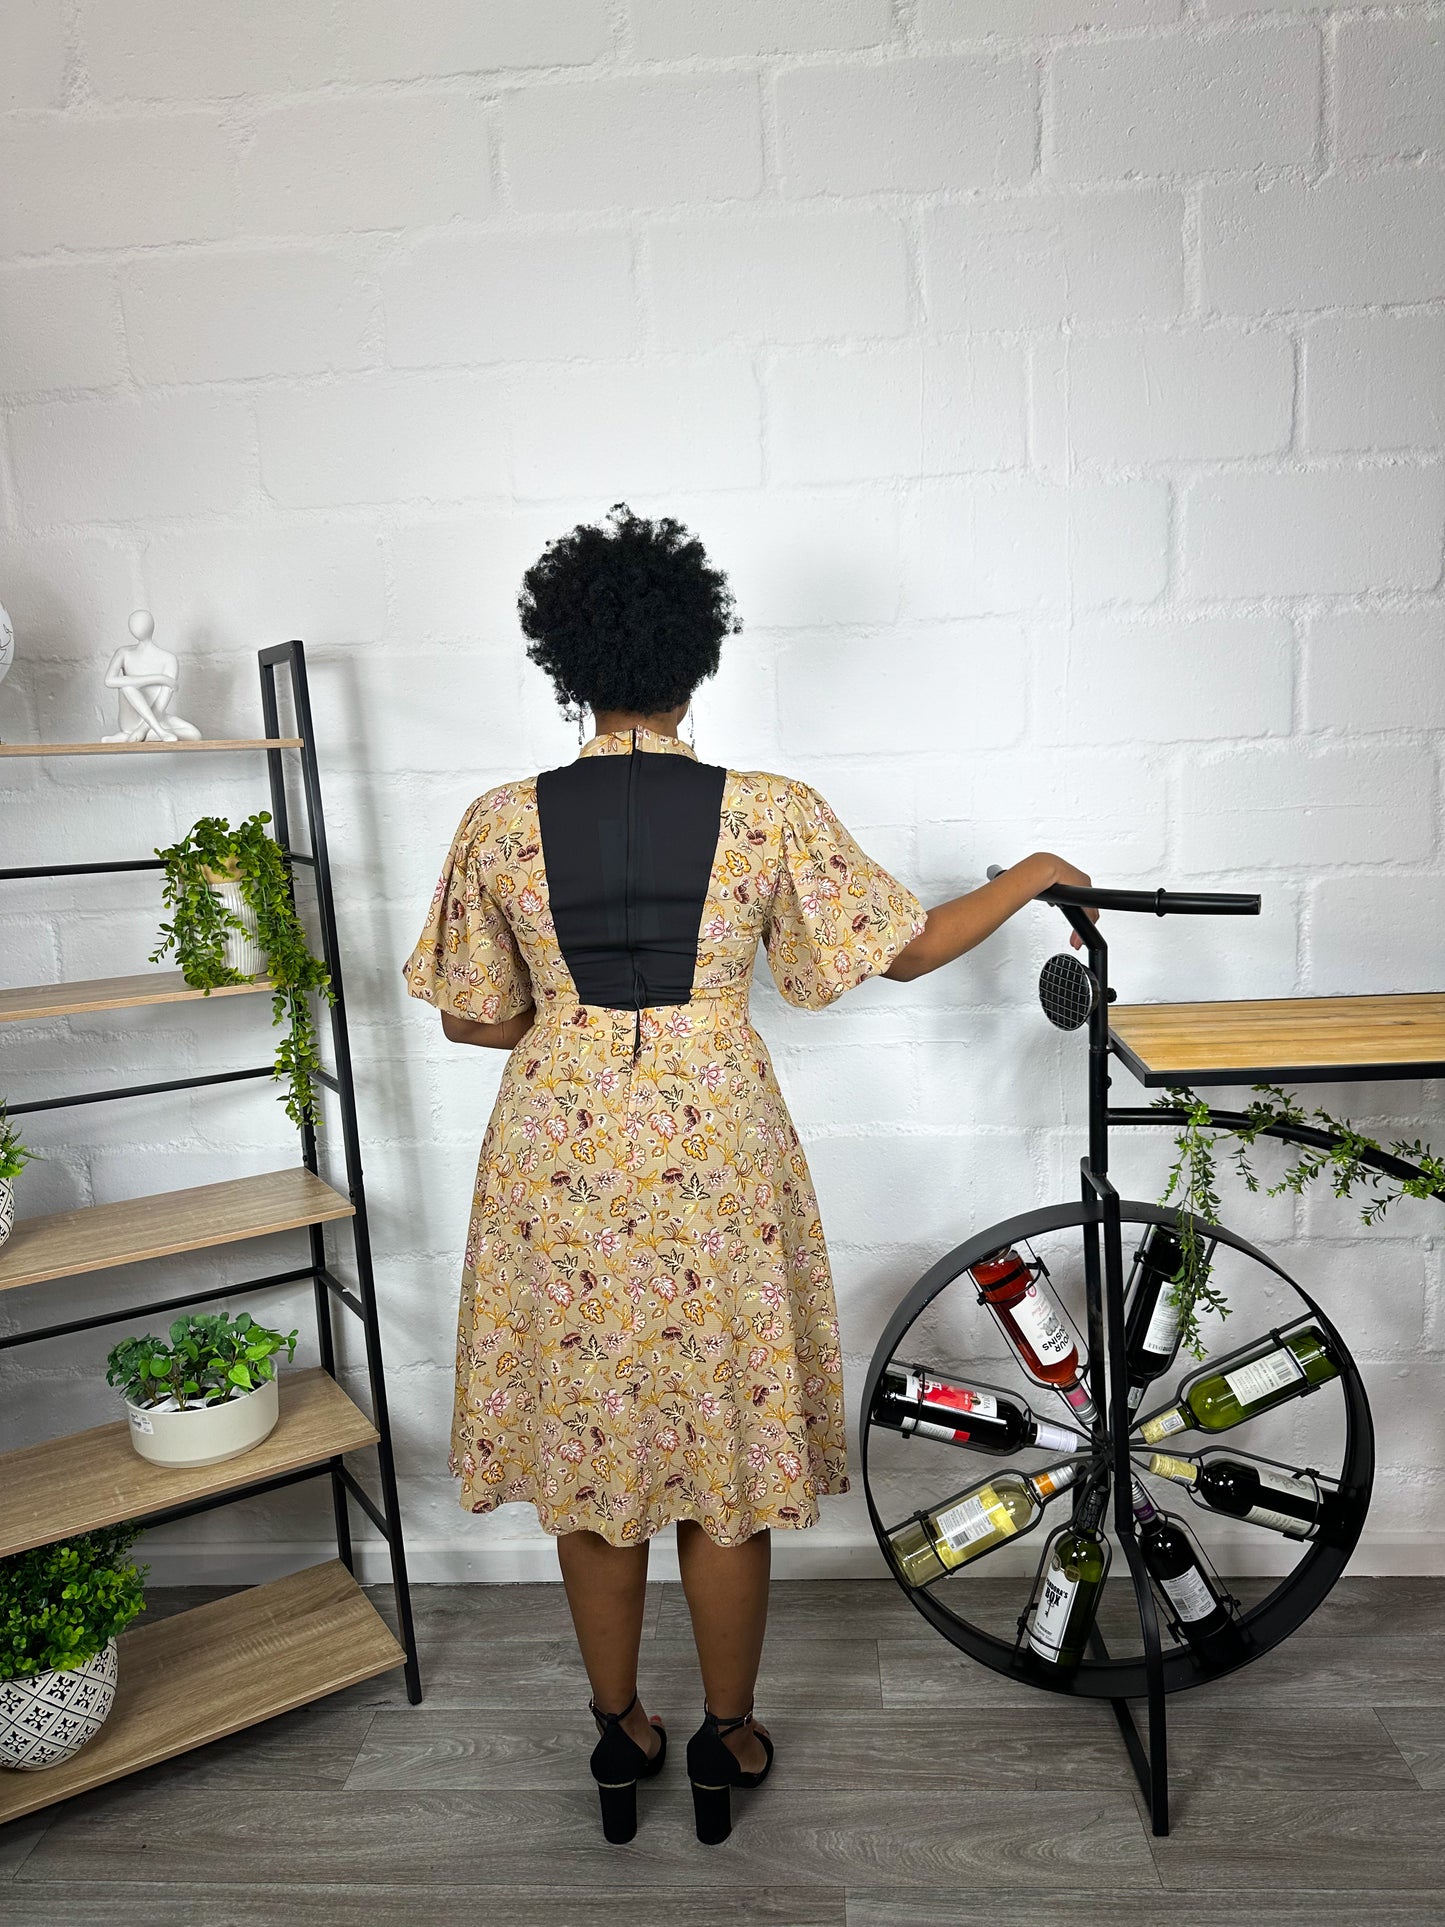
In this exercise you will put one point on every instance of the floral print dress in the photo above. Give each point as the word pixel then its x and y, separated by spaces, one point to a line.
pixel 647 1327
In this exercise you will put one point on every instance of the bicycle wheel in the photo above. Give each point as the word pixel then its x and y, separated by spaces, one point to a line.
pixel 941 1324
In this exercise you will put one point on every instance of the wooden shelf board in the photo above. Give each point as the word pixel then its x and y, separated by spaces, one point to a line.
pixel 110 993
pixel 140 749
pixel 1266 1040
pixel 215 1669
pixel 97 1478
pixel 99 1235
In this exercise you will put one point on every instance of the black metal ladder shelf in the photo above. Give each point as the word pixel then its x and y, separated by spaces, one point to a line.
pixel 319 1631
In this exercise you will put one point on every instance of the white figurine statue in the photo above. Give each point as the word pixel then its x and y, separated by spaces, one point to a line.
pixel 146 676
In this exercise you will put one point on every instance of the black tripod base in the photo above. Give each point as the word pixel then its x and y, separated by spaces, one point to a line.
pixel 1151 1762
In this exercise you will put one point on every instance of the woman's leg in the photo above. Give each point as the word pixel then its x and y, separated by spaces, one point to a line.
pixel 727 1595
pixel 607 1591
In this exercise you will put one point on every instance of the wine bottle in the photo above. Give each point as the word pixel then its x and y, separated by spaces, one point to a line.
pixel 1153 1317
pixel 1032 1322
pixel 1071 1579
pixel 910 1400
pixel 1193 1596
pixel 1294 1503
pixel 978 1519
pixel 1230 1390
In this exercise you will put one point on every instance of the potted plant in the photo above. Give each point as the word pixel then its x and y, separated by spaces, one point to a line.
pixel 14 1156
pixel 209 1394
pixel 61 1607
pixel 233 917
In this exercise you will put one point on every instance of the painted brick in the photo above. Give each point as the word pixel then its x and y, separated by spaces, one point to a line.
pixel 1041 260
pixel 1366 670
pixel 1225 676
pixel 235 588
pixel 1327 805
pixel 682 29
pixel 387 438
pixel 807 275
pixel 1390 88
pixel 328 166
pixel 64 594
pixel 633 143
pixel 907 124
pixel 1179 104
pixel 379 41
pixel 830 695
pixel 1321 532
pixel 1375 933
pixel 1375 381
pixel 170 50
pixel 966 19
pixel 504 297
pixel 60 328
pixel 32 55
pixel 1338 242
pixel 1157 396
pixel 460 577
pixel 128 459
pixel 126 181
pixel 798 561
pixel 625 427
pixel 222 315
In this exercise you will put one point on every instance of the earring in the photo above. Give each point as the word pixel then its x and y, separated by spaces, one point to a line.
pixel 691 728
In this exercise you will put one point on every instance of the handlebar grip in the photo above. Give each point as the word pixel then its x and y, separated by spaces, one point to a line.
pixel 1163 903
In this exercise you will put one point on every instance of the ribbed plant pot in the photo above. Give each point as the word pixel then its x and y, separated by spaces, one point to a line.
pixel 204 1434
pixel 243 949
pixel 45 1717
pixel 7 1209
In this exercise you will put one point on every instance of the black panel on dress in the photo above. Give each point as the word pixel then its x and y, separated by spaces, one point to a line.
pixel 628 842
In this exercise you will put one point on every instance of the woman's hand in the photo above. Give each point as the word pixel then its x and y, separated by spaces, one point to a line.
pixel 1065 872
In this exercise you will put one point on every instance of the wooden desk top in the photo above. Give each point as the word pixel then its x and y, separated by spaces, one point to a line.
pixel 1276 1040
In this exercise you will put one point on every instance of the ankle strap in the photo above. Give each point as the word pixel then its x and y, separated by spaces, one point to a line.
pixel 612 1719
pixel 725 1726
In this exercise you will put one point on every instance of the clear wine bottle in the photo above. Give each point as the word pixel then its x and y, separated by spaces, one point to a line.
pixel 1194 1600
pixel 1227 1391
pixel 1153 1317
pixel 911 1400
pixel 1295 1503
pixel 975 1521
pixel 1069 1585
pixel 1029 1316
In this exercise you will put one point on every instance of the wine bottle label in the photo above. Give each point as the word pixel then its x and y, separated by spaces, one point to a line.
pixel 1277 1369
pixel 1190 1595
pixel 1286 1522
pixel 1303 1521
pixel 920 1428
pixel 1135 1398
pixel 1051 1615
pixel 971 1520
pixel 1057 1438
pixel 1154 1429
pixel 1163 1326
pixel 1038 1319
pixel 934 1391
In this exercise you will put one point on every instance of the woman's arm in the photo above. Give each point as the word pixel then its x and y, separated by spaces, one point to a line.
pixel 962 922
pixel 503 1036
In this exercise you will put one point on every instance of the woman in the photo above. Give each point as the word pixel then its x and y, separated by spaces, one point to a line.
pixel 647 1330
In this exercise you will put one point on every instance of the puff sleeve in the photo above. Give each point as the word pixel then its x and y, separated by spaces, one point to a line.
pixel 466 959
pixel 836 916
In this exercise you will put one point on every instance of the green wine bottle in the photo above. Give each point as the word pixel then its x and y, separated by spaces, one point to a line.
pixel 977 1520
pixel 1071 1578
pixel 1230 1390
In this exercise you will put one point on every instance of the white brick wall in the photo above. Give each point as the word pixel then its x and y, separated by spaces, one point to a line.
pixel 1060 383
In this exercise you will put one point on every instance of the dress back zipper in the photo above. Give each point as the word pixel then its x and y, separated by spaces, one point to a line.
pixel 627 909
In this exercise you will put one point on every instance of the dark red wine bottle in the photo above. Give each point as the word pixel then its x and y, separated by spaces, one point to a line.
pixel 1152 1316
pixel 911 1400
pixel 1295 1503
pixel 1193 1597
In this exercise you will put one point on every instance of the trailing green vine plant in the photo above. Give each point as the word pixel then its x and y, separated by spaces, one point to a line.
pixel 200 923
pixel 1192 1179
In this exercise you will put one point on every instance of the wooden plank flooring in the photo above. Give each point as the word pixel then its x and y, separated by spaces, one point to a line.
pixel 912 1789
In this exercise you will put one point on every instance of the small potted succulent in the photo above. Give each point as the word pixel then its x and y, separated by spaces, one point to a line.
pixel 61 1607
pixel 14 1157
pixel 208 1394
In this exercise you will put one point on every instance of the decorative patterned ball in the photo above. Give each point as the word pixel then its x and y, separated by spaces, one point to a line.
pixel 45 1717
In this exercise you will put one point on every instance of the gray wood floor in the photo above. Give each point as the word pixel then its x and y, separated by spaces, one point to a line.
pixel 913 1789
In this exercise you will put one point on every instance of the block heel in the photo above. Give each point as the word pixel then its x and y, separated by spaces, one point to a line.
pixel 617 1764
pixel 619 1812
pixel 714 1771
pixel 712 1810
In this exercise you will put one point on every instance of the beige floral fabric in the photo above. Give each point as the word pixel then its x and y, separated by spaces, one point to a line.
pixel 647 1328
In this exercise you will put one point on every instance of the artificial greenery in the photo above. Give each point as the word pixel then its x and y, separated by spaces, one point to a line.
pixel 60 1604
pixel 200 922
pixel 14 1156
pixel 1192 1179
pixel 210 1358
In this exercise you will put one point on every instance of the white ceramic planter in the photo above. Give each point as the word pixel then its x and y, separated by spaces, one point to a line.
pixel 7 1209
pixel 204 1434
pixel 45 1717
pixel 243 951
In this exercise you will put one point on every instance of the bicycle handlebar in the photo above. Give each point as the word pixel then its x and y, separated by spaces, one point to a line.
pixel 1163 903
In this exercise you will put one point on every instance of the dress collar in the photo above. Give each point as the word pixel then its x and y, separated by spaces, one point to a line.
pixel 618 742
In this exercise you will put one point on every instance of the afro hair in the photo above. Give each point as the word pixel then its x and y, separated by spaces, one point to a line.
pixel 628 617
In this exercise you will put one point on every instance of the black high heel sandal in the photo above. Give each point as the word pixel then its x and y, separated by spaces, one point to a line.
pixel 714 1770
pixel 618 1763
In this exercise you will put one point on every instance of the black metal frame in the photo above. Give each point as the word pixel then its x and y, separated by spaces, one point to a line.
pixel 1100 1213
pixel 328 1288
